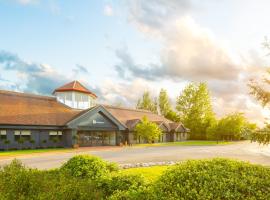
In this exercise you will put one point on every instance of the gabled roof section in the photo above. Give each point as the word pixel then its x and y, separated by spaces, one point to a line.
pixel 86 115
pixel 178 127
pixel 163 125
pixel 75 86
pixel 131 124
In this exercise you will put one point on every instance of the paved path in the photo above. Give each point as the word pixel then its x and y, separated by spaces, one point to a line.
pixel 243 150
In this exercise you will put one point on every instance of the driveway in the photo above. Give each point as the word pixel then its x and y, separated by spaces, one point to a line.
pixel 243 151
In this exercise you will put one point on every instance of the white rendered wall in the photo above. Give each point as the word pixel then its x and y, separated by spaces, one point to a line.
pixel 76 100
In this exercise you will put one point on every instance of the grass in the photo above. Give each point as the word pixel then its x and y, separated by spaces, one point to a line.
pixel 149 173
pixel 186 143
pixel 32 151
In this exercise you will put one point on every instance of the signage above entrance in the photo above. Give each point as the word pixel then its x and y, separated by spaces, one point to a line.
pixel 97 122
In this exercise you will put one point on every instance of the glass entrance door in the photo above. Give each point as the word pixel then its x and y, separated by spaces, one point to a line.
pixel 96 138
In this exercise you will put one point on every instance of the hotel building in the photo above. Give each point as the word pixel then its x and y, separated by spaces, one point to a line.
pixel 72 116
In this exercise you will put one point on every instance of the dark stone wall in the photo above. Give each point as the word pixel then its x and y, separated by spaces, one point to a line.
pixel 38 136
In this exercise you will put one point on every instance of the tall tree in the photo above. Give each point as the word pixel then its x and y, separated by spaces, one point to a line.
pixel 195 109
pixel 165 107
pixel 164 102
pixel 147 103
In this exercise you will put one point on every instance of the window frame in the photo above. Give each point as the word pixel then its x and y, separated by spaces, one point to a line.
pixel 22 134
pixel 3 134
pixel 56 134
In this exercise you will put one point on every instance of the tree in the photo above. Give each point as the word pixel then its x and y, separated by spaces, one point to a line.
pixel 164 102
pixel 147 130
pixel 195 109
pixel 147 103
pixel 262 135
pixel 234 126
pixel 259 91
pixel 165 107
pixel 173 116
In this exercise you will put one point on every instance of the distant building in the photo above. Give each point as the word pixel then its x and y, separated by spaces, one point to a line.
pixel 72 116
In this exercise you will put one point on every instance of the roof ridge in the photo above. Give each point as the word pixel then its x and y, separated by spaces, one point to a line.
pixel 26 95
pixel 126 108
pixel 74 84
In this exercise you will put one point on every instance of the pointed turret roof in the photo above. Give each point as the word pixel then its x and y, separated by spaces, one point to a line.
pixel 74 86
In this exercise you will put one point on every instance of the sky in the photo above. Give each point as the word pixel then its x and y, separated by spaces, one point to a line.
pixel 119 49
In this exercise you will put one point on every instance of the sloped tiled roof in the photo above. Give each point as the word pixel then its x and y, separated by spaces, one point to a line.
pixel 126 114
pixel 74 86
pixel 177 127
pixel 28 109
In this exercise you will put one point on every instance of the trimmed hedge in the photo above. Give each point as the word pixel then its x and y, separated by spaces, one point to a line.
pixel 85 166
pixel 85 177
pixel 214 179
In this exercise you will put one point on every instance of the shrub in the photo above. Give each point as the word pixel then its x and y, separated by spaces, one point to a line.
pixel 18 182
pixel 214 179
pixel 121 182
pixel 85 166
pixel 140 193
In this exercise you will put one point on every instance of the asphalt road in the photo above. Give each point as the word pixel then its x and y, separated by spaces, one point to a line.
pixel 243 151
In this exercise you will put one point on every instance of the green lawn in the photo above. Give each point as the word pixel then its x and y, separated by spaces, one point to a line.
pixel 186 143
pixel 149 173
pixel 32 151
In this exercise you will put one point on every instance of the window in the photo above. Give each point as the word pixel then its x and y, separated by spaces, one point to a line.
pixel 22 134
pixel 3 134
pixel 55 135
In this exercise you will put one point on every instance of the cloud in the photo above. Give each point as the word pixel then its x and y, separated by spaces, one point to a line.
pixel 108 10
pixel 119 92
pixel 35 77
pixel 155 14
pixel 190 52
pixel 80 69
pixel 26 2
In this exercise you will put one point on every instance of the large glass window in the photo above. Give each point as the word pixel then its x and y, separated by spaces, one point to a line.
pixel 55 135
pixel 3 134
pixel 25 135
pixel 96 138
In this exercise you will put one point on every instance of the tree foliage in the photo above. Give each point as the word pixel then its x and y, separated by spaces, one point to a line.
pixel 165 107
pixel 259 91
pixel 262 135
pixel 231 127
pixel 164 102
pixel 147 103
pixel 195 109
pixel 147 130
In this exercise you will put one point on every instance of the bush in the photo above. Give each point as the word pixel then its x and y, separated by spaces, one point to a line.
pixel 202 179
pixel 214 179
pixel 85 166
pixel 140 193
pixel 18 182
pixel 121 182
